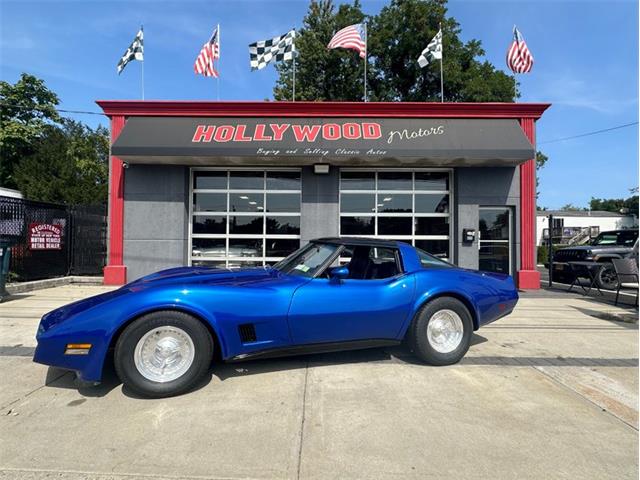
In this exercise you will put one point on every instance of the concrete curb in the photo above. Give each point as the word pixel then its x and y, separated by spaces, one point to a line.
pixel 22 287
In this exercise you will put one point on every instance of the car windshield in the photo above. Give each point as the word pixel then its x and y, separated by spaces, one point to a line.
pixel 616 238
pixel 429 261
pixel 308 260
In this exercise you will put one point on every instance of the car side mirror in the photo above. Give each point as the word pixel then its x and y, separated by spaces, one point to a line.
pixel 338 273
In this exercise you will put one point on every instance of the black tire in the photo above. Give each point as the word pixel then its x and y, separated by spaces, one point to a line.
pixel 419 341
pixel 133 379
pixel 606 278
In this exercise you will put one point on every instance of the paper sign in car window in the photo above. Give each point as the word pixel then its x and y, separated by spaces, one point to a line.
pixel 302 267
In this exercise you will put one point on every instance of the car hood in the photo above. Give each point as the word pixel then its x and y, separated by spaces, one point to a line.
pixel 208 275
pixel 173 277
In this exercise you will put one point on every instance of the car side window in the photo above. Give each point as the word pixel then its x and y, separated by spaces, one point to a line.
pixel 628 238
pixel 429 261
pixel 373 263
pixel 345 255
pixel 606 239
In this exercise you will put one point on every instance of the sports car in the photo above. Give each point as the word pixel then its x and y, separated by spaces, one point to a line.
pixel 163 331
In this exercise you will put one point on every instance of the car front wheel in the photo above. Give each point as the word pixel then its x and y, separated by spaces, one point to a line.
pixel 163 354
pixel 441 331
pixel 606 277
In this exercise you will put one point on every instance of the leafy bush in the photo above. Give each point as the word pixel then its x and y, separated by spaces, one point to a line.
pixel 543 253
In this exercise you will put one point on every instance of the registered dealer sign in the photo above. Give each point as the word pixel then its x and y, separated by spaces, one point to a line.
pixel 45 236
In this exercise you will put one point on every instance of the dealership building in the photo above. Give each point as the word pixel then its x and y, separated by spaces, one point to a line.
pixel 232 184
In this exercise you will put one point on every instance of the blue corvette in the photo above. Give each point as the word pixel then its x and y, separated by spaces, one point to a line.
pixel 333 294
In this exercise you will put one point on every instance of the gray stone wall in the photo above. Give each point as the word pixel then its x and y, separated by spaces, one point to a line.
pixel 156 212
pixel 319 209
pixel 155 218
pixel 484 187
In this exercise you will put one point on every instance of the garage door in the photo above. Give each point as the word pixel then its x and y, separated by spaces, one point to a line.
pixel 409 205
pixel 243 217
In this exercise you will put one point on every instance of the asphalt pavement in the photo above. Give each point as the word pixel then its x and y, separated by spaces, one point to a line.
pixel 548 392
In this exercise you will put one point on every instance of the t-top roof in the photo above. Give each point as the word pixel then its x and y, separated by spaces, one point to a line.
pixel 358 241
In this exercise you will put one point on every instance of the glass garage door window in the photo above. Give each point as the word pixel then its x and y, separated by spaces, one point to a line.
pixel 412 206
pixel 243 217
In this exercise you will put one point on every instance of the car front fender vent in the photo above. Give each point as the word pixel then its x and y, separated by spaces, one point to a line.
pixel 247 333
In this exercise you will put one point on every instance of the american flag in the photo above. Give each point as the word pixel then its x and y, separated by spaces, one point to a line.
pixel 210 51
pixel 352 37
pixel 519 59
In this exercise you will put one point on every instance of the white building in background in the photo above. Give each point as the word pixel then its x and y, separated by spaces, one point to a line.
pixel 573 222
pixel 7 192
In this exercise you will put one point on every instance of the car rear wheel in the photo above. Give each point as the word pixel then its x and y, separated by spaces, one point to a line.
pixel 606 277
pixel 163 354
pixel 440 333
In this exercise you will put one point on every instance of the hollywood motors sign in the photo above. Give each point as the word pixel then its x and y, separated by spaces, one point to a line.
pixel 276 132
pixel 310 139
pixel 150 138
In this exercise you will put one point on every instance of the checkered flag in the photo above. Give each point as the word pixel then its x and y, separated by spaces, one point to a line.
pixel 277 49
pixel 134 52
pixel 432 52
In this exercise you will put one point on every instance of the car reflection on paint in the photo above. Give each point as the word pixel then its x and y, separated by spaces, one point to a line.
pixel 221 252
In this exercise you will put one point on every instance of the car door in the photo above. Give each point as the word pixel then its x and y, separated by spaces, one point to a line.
pixel 328 310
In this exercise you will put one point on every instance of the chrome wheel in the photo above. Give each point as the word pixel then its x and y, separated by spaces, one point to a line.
pixel 164 354
pixel 445 331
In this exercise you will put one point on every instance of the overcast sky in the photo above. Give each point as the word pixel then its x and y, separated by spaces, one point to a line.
pixel 586 65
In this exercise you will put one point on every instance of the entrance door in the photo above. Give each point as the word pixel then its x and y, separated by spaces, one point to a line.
pixel 494 241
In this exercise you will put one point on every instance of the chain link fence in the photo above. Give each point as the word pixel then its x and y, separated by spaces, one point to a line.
pixel 49 240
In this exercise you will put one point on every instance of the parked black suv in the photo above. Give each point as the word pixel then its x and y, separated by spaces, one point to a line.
pixel 607 245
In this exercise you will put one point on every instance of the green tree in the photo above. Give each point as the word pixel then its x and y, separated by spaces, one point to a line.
pixel 27 108
pixel 570 207
pixel 396 37
pixel 541 160
pixel 69 164
pixel 615 204
pixel 400 32
pixel 323 74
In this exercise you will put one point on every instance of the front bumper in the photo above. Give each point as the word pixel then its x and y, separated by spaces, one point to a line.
pixel 561 267
pixel 51 351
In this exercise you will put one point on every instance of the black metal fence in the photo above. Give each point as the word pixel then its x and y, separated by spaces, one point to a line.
pixel 50 240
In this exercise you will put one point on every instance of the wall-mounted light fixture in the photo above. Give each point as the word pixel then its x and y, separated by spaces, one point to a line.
pixel 321 168
pixel 468 235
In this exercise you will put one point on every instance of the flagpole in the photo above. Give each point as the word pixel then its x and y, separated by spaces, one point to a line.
pixel 515 82
pixel 365 60
pixel 142 29
pixel 218 77
pixel 293 59
pixel 441 69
